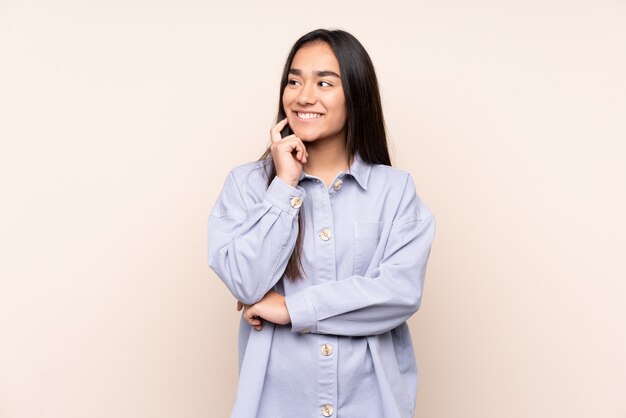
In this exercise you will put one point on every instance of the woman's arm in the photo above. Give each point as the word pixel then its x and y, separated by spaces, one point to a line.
pixel 368 305
pixel 249 246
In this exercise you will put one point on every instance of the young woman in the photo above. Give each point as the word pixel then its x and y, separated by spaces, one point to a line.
pixel 324 245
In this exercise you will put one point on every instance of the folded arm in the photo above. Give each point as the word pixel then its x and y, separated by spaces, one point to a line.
pixel 367 305
pixel 249 246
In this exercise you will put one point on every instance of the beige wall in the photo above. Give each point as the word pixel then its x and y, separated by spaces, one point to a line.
pixel 119 121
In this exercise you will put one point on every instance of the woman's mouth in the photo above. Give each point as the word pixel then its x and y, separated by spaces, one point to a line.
pixel 308 115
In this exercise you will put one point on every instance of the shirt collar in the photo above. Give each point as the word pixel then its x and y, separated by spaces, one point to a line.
pixel 359 169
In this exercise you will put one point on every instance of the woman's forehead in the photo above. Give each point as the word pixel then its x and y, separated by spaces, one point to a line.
pixel 315 57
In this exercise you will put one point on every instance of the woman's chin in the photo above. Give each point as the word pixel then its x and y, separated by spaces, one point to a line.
pixel 305 136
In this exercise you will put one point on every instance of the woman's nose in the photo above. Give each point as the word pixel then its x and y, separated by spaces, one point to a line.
pixel 307 95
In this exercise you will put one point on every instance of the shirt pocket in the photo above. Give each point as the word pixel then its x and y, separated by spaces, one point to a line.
pixel 366 240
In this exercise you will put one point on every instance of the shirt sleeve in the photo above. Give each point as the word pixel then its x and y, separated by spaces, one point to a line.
pixel 369 305
pixel 249 246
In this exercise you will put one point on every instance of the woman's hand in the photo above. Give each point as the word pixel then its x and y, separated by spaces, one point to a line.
pixel 288 166
pixel 271 308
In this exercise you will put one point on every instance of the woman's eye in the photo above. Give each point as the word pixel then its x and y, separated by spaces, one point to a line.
pixel 292 82
pixel 325 84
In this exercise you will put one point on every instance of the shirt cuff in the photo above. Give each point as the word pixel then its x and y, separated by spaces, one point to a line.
pixel 281 195
pixel 301 311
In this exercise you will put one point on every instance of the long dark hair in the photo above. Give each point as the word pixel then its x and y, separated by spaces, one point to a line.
pixel 365 124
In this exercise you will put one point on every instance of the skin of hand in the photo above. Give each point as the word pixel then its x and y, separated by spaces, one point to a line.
pixel 288 166
pixel 271 308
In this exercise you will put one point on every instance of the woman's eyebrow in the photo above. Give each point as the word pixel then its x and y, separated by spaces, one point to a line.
pixel 319 73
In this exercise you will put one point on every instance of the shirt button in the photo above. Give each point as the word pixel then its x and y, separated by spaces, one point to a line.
pixel 338 184
pixel 327 349
pixel 325 234
pixel 296 202
pixel 305 331
pixel 327 410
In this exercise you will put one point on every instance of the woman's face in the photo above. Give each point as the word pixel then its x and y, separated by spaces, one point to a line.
pixel 313 98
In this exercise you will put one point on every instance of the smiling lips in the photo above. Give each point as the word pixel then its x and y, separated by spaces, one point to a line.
pixel 308 115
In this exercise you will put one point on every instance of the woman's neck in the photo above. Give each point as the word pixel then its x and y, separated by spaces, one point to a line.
pixel 326 157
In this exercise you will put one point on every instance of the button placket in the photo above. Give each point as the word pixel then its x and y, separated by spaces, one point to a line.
pixel 325 271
